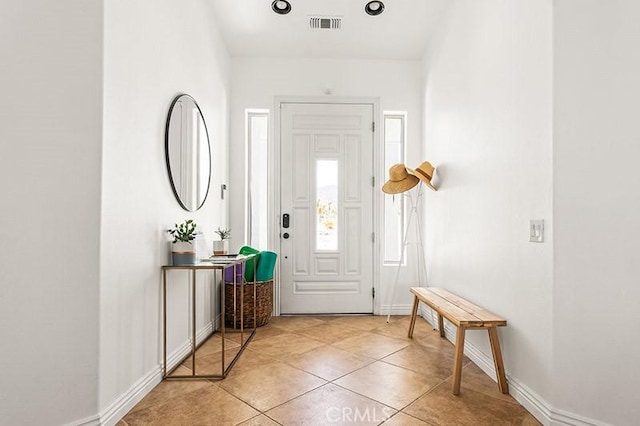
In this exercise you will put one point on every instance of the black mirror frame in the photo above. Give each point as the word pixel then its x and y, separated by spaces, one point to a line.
pixel 166 151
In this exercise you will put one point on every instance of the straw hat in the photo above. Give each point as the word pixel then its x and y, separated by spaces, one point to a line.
pixel 399 180
pixel 424 172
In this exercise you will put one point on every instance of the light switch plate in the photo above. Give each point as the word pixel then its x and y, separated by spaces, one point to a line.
pixel 536 231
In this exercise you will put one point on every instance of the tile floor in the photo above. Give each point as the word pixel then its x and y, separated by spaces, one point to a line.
pixel 332 370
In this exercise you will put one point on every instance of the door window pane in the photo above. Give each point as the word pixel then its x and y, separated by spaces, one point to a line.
pixel 327 205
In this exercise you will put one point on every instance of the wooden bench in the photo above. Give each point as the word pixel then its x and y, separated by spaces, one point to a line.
pixel 465 316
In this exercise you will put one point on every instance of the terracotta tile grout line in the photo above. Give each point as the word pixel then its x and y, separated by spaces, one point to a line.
pixel 271 418
pixel 366 397
pixel 420 396
pixel 393 353
pixel 380 402
pixel 258 415
pixel 244 402
pixel 298 396
pixel 428 391
pixel 332 380
pixel 413 417
pixel 289 400
pixel 322 385
pixel 403 367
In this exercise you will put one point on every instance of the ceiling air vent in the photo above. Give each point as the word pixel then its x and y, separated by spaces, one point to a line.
pixel 325 23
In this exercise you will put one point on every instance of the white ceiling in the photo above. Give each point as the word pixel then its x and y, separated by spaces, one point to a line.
pixel 251 29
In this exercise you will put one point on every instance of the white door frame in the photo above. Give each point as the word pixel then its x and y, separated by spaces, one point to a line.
pixel 274 182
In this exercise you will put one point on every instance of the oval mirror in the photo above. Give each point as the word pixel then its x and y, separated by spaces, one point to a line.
pixel 188 153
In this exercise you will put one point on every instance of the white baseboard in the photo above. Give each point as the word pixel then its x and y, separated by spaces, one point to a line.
pixel 563 418
pixel 394 309
pixel 88 421
pixel 123 404
pixel 530 400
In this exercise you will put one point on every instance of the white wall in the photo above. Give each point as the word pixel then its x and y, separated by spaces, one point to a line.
pixel 50 138
pixel 596 205
pixel 256 82
pixel 488 127
pixel 154 50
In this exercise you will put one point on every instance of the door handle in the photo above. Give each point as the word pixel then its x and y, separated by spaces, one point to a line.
pixel 285 220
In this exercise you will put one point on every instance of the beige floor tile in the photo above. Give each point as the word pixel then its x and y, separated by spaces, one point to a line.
pixel 476 379
pixel 294 323
pixel 271 385
pixel 331 404
pixel 326 318
pixel 391 385
pixel 214 345
pixel 431 339
pixel 372 345
pixel 251 361
pixel 255 362
pixel 363 322
pixel 287 365
pixel 423 360
pixel 234 335
pixel 212 364
pixel 181 370
pixel 328 362
pixel 169 389
pixel 209 405
pixel 398 318
pixel 441 407
pixel 260 420
pixel 399 327
pixel 424 333
pixel 284 346
pixel 268 331
pixel 402 419
pixel 329 332
pixel 529 420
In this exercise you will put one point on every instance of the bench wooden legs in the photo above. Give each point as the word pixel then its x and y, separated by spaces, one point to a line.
pixel 414 314
pixel 457 360
pixel 459 350
pixel 497 360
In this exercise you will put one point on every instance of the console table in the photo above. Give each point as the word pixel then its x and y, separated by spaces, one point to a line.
pixel 245 334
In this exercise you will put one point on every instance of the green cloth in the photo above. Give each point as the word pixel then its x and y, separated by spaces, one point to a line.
pixel 266 266
pixel 250 264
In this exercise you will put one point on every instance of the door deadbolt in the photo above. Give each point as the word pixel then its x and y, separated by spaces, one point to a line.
pixel 285 235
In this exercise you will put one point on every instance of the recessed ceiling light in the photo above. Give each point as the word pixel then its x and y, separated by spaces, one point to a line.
pixel 374 8
pixel 281 7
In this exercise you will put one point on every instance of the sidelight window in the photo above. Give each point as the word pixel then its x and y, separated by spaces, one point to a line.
pixel 394 206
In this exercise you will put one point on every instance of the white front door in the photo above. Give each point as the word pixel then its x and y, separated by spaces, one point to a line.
pixel 326 194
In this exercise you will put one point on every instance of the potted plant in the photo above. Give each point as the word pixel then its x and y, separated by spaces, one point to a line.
pixel 183 252
pixel 220 246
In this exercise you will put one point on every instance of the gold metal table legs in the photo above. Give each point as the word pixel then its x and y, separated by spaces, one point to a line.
pixel 223 332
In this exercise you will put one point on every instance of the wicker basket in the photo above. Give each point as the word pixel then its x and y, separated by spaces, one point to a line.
pixel 264 304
